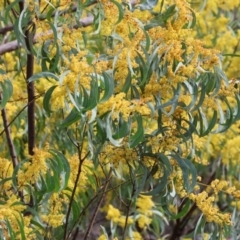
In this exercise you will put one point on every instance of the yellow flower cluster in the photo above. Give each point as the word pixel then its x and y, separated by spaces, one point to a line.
pixel 143 216
pixel 206 204
pixel 54 216
pixel 116 155
pixel 144 206
pixel 34 167
pixel 6 170
pixel 12 211
pixel 115 215
pixel 87 169
pixel 216 31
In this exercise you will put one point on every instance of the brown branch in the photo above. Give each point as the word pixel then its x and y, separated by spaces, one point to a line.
pixel 81 161
pixel 13 45
pixel 6 29
pixel 11 146
pixel 94 198
pixel 181 223
pixel 87 234
pixel 9 124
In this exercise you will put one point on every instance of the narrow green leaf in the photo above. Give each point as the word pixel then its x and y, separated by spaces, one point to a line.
pixel 122 131
pixel 194 20
pixel 21 226
pixel 108 87
pixel 199 226
pixel 7 90
pixel 63 163
pixel 161 185
pixel 72 117
pixel 187 168
pixel 10 230
pixel 127 83
pixel 120 11
pixel 183 211
pixel 46 100
pixel 43 75
pixel 139 134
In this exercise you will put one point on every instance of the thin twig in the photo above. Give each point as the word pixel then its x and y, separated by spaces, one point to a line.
pixel 10 123
pixel 13 45
pixel 11 146
pixel 98 206
pixel 130 203
pixel 115 191
pixel 181 223
pixel 9 28
pixel 95 197
pixel 81 160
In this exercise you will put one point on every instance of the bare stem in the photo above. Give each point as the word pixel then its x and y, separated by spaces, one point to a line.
pixel 81 160
pixel 9 124
pixel 11 146
pixel 98 206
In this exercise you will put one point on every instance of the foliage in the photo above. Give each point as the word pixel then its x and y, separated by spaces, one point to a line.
pixel 121 109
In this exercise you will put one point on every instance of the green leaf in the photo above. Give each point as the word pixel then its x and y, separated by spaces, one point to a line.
pixel 63 167
pixel 187 168
pixel 43 75
pixel 147 40
pixel 91 101
pixel 199 226
pixel 72 117
pixel 8 8
pixel 120 11
pixel 172 102
pixel 139 134
pixel 7 90
pixel 10 230
pixel 194 20
pixel 208 125
pixel 161 185
pixel 122 130
pixel 46 100
pixel 109 131
pixel 168 13
pixel 108 87
pixel 139 183
pixel 21 226
pixel 221 75
pixel 183 211
pixel 49 182
pixel 5 180
pixel 127 83
pixel 21 22
pixel 237 108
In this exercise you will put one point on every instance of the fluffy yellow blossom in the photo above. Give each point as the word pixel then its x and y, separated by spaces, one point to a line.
pixel 34 167
pixel 135 236
pixel 206 204
pixel 113 214
pixel 86 170
pixel 102 237
pixel 6 170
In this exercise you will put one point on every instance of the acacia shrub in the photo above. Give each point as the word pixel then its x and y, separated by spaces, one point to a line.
pixel 109 105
